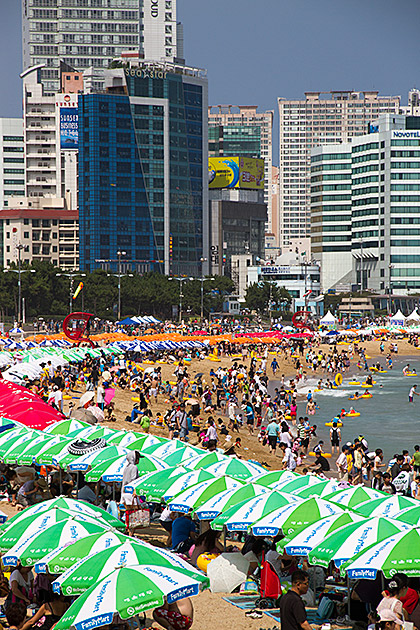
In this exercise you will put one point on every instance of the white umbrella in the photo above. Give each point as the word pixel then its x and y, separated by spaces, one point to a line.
pixel 227 572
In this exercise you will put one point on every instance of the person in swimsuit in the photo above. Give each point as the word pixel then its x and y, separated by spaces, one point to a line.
pixel 176 616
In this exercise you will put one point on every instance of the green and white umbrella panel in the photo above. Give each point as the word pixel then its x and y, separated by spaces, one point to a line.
pixel 127 592
pixel 195 496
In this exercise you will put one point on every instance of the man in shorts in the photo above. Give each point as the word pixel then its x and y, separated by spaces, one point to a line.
pixel 176 616
pixel 412 393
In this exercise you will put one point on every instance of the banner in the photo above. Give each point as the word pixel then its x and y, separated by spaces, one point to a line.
pixel 69 128
pixel 236 172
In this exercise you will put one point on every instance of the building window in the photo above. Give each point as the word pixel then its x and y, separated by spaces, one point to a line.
pixel 26 235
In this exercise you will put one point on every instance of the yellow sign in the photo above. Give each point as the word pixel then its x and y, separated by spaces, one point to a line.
pixel 236 172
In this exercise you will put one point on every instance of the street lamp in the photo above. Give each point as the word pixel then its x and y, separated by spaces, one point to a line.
pixel 202 280
pixel 19 271
pixel 180 280
pixel 119 254
pixel 71 275
pixel 390 267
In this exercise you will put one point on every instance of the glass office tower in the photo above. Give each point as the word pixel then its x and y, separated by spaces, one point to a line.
pixel 143 171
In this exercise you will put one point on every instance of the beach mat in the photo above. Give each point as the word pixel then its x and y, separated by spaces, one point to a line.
pixel 244 602
pixel 274 613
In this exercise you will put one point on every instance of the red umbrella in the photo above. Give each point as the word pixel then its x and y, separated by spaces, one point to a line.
pixel 37 419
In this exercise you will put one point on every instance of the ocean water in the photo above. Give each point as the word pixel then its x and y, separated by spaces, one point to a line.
pixel 387 420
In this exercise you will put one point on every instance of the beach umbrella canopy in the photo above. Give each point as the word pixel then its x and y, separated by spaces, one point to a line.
pixel 36 543
pixel 236 468
pixel 390 506
pixel 12 441
pixel 27 455
pixel 86 462
pixel 349 540
pixel 134 440
pixel 301 543
pixel 112 470
pixel 180 456
pixel 63 427
pixel 294 517
pixel 294 485
pixel 72 505
pixel 126 592
pixel 241 516
pixel 94 568
pixel 410 515
pixel 167 484
pixel 28 524
pixel 227 499
pixel 193 497
pixel 59 560
pixel 164 449
pixel 202 461
pixel 398 553
pixel 15 454
pixel 50 451
pixel 354 496
pixel 93 432
pixel 320 489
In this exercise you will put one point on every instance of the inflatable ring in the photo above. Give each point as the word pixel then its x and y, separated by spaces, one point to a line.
pixel 366 396
pixel 83 447
pixel 287 417
pixel 373 368
pixel 204 559
pixel 366 385
pixel 338 379
pixel 382 371
pixel 354 382
pixel 317 390
pixel 312 454
pixel 330 424
pixel 352 414
pixel 67 397
pixel 135 398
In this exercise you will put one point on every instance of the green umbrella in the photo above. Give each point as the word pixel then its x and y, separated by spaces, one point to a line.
pixel 410 515
pixel 23 437
pixel 349 540
pixel 59 560
pixel 236 468
pixel 195 496
pixel 126 592
pixel 320 489
pixel 294 485
pixel 390 506
pixel 398 553
pixel 302 542
pixel 84 463
pixel 36 451
pixel 354 496
pixel 92 433
pixel 293 517
pixel 156 486
pixel 47 455
pixel 18 453
pixel 72 505
pixel 134 440
pixel 112 470
pixel 166 448
pixel 63 427
pixel 201 461
pixel 228 498
pixel 29 549
pixel 180 456
pixel 88 571
pixel 276 477
pixel 241 516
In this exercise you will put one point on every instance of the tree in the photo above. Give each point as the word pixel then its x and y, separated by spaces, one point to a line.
pixel 257 297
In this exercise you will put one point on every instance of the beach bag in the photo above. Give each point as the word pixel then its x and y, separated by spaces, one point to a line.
pixel 139 518
pixel 325 610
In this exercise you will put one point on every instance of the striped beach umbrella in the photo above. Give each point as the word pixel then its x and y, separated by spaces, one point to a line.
pixel 193 497
pixel 112 470
pixel 354 496
pixel 165 485
pixel 125 593
pixel 241 516
pixel 236 468
pixel 227 499
pixel 390 506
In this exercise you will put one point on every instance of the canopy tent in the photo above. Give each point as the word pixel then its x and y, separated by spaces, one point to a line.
pixel 328 320
pixel 397 319
pixel 413 317
pixel 127 322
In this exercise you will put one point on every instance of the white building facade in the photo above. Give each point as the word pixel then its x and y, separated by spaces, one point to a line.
pixel 12 161
pixel 321 118
pixel 161 36
pixel 384 232
pixel 50 140
pixel 82 33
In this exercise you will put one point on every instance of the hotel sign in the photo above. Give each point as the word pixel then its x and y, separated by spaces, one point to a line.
pixel 406 134
pixel 272 270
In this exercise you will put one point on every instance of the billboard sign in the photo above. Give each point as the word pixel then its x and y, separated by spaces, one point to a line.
pixel 69 128
pixel 236 172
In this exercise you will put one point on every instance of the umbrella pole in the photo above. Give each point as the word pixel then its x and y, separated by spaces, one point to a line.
pixel 224 537
pixel 113 490
pixel 348 594
pixel 61 481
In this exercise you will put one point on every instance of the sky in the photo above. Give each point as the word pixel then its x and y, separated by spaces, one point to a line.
pixel 255 51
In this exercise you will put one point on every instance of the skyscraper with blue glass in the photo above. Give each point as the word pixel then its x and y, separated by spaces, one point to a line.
pixel 143 170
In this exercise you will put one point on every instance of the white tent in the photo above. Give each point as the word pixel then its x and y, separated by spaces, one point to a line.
pixel 327 319
pixel 398 318
pixel 414 317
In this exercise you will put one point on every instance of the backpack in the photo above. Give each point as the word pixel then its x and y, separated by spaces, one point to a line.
pixel 402 483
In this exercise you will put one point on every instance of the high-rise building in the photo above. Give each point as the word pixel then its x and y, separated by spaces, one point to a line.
pixel 12 161
pixel 143 173
pixel 161 36
pixel 82 33
pixel 366 208
pixel 244 132
pixel 50 138
pixel 321 118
